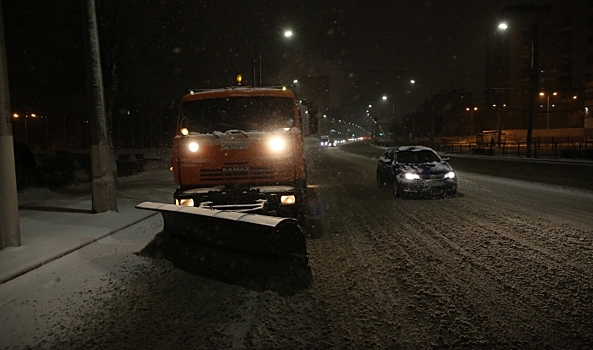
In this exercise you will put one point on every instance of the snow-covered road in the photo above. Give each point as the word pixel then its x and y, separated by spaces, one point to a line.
pixel 505 264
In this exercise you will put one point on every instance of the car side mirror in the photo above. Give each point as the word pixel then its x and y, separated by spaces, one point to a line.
pixel 446 159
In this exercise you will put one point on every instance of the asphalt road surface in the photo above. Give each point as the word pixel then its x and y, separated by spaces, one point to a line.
pixel 504 264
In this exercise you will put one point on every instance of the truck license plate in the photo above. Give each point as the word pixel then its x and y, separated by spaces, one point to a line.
pixel 234 145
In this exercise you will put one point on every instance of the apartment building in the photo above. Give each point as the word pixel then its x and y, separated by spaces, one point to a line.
pixel 538 44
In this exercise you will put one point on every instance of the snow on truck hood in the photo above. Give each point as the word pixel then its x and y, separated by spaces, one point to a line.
pixel 250 133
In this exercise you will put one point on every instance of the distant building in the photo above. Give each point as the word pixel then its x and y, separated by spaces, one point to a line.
pixel 447 107
pixel 316 89
pixel 558 100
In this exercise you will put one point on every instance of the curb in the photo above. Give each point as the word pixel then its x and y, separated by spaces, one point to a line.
pixel 35 265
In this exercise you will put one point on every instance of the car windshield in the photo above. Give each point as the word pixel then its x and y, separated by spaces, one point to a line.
pixel 260 113
pixel 411 157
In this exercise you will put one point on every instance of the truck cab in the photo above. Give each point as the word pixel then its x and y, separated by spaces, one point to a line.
pixel 240 149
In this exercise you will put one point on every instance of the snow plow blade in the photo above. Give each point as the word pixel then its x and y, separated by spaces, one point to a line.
pixel 267 236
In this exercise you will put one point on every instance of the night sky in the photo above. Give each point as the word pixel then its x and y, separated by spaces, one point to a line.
pixel 162 48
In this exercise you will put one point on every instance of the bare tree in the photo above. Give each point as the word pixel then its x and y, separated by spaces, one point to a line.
pixel 50 67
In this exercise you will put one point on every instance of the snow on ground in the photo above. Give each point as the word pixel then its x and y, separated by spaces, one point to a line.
pixel 505 264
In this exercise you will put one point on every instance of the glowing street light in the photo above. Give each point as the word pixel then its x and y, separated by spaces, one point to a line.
pixel 25 116
pixel 471 110
pixel 385 98
pixel 533 79
pixel 542 94
pixel 287 33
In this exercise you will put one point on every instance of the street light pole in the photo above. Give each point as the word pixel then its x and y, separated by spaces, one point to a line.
pixel 26 131
pixel 534 83
pixel 471 110
pixel 287 34
pixel 46 132
pixel 548 112
pixel 499 124
pixel 253 63
pixel 548 107
pixel 534 80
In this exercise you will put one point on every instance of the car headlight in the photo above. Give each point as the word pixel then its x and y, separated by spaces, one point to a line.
pixel 450 175
pixel 277 144
pixel 193 146
pixel 411 176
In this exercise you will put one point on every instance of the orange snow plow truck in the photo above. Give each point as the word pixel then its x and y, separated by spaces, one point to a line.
pixel 238 160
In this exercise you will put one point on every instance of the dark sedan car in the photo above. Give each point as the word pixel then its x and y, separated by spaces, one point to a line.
pixel 416 170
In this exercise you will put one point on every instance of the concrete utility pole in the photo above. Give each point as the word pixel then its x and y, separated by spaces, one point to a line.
pixel 10 232
pixel 103 186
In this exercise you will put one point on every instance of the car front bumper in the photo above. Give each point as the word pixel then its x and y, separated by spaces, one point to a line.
pixel 429 186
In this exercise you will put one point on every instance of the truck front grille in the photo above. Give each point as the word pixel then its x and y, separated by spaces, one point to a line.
pixel 237 173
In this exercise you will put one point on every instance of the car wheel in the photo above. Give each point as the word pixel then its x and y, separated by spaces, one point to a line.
pixel 380 182
pixel 395 190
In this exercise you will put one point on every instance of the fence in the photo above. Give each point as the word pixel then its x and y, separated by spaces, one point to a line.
pixel 539 149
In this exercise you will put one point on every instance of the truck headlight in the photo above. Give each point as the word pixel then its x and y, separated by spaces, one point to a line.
pixel 411 176
pixel 277 144
pixel 185 202
pixel 450 175
pixel 287 200
pixel 193 146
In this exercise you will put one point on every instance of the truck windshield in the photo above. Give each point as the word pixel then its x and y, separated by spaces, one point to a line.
pixel 259 113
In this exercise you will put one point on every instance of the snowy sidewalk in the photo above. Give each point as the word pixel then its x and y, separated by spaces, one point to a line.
pixel 49 233
pixel 56 223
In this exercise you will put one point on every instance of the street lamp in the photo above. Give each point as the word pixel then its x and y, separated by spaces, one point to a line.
pixel 499 126
pixel 46 119
pixel 16 116
pixel 534 78
pixel 287 34
pixel 385 98
pixel 570 114
pixel 542 94
pixel 471 119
